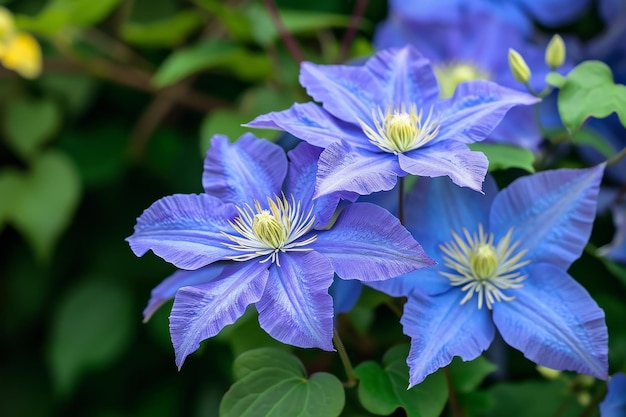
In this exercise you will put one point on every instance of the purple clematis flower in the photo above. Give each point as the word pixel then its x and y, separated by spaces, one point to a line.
pixel 475 48
pixel 384 120
pixel 614 404
pixel 502 260
pixel 518 13
pixel 256 237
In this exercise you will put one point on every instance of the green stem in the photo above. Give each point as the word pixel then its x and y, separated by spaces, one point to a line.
pixel 455 409
pixel 357 15
pixel 616 158
pixel 345 360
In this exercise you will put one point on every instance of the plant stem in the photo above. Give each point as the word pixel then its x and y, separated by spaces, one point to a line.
pixel 455 409
pixel 288 39
pixel 616 158
pixel 357 15
pixel 345 360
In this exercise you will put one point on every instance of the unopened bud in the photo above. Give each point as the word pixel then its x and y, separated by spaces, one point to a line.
pixel 518 66
pixel 555 52
pixel 548 373
pixel 7 27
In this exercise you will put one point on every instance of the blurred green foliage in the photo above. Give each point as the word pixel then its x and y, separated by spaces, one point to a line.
pixel 132 91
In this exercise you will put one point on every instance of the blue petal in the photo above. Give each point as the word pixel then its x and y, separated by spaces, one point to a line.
pixel 428 281
pixel 184 229
pixel 441 328
pixel 311 123
pixel 296 308
pixel 614 404
pixel 616 249
pixel 301 184
pixel 368 243
pixel 466 168
pixel 555 322
pixel 202 311
pixel 435 207
pixel 552 212
pixel 476 109
pixel 250 169
pixel 345 294
pixel 342 167
pixel 390 78
pixel 555 12
pixel 518 128
pixel 181 278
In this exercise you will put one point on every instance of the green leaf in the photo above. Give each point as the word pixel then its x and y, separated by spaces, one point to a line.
pixel 29 123
pixel 590 138
pixel 214 53
pixel 502 156
pixel 467 376
pixel 382 390
pixel 90 328
pixel 533 398
pixel 46 201
pixel 589 91
pixel 73 91
pixel 235 21
pixel 59 14
pixel 296 22
pixel 555 79
pixel 273 383
pixel 168 32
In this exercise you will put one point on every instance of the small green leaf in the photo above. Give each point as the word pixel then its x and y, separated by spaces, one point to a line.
pixel 168 32
pixel 91 327
pixel 29 123
pixel 589 91
pixel 59 14
pixel 382 390
pixel 555 79
pixel 273 383
pixel 214 53
pixel 467 376
pixel 503 156
pixel 296 22
pixel 46 201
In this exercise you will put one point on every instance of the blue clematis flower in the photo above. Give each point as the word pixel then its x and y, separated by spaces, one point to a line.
pixel 502 262
pixel 614 404
pixel 518 13
pixel 256 237
pixel 474 48
pixel 383 120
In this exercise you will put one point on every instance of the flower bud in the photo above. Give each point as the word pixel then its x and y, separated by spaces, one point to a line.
pixel 22 54
pixel 7 27
pixel 555 52
pixel 518 66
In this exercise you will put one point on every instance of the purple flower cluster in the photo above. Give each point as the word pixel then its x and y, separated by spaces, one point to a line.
pixel 269 231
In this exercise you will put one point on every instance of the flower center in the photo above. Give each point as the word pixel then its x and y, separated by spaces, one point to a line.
pixel 480 267
pixel 399 130
pixel 269 231
pixel 452 74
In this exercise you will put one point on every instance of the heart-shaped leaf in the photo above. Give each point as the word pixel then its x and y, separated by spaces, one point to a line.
pixel 273 383
pixel 383 389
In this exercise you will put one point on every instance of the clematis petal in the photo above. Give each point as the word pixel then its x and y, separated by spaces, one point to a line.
pixel 202 311
pixel 436 206
pixel 342 167
pixel 476 108
pixel 614 404
pixel 428 281
pixel 441 328
pixel 555 322
pixel 184 229
pixel 345 294
pixel 555 12
pixel 368 243
pixel 466 168
pixel 296 308
pixel 247 170
pixel 389 78
pixel 181 278
pixel 553 212
pixel 301 184
pixel 313 124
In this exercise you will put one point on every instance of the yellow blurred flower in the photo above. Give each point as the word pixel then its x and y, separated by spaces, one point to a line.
pixel 19 51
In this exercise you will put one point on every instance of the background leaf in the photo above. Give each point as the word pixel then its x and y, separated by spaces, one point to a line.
pixel 383 389
pixel 502 156
pixel 273 383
